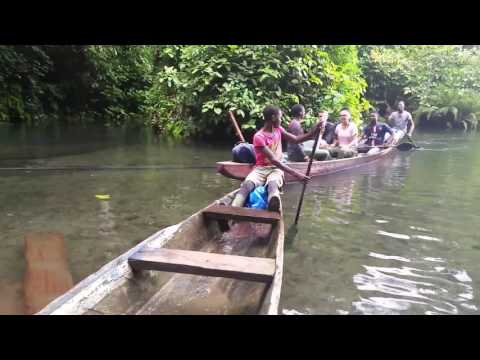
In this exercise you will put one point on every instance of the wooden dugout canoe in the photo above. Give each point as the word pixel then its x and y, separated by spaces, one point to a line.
pixel 199 266
pixel 240 171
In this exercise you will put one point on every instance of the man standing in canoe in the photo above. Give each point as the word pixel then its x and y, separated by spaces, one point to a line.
pixel 269 168
pixel 402 122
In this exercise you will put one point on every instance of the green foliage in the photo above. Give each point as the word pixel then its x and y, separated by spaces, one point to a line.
pixel 22 70
pixel 187 90
pixel 198 85
pixel 73 83
pixel 427 76
pixel 181 90
pixel 121 75
pixel 43 83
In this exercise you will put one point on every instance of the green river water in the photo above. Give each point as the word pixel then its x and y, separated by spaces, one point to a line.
pixel 399 236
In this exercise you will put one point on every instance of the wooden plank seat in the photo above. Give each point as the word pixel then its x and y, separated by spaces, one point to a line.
pixel 205 264
pixel 225 212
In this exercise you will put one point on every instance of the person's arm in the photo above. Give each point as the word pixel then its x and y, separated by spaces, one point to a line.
pixel 390 119
pixel 335 141
pixel 410 126
pixel 296 139
pixel 268 153
pixel 364 139
pixel 364 135
pixel 294 127
pixel 354 141
pixel 335 138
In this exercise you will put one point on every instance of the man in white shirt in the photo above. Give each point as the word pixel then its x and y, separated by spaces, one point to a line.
pixel 401 121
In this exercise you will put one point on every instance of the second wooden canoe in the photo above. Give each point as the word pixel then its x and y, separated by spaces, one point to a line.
pixel 239 171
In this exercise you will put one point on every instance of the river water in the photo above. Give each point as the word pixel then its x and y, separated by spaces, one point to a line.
pixel 396 237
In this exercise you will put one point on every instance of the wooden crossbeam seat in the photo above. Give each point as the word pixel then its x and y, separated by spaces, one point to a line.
pixel 205 264
pixel 225 212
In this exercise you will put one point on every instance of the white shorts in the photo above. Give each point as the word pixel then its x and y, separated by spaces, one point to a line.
pixel 261 175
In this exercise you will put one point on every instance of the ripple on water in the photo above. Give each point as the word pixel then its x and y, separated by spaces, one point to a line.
pixel 433 259
pixel 470 307
pixel 407 237
pixel 437 291
pixel 426 238
pixel 337 221
pixel 462 276
pixel 393 235
pixel 419 229
pixel 384 305
pixel 388 257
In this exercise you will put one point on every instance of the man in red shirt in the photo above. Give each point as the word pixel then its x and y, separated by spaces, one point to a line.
pixel 269 169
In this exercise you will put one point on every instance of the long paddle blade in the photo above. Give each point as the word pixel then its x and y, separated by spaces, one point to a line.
pixel 413 142
pixel 290 236
pixel 405 146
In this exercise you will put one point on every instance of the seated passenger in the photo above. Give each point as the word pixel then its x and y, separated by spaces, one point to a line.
pixel 295 151
pixel 327 136
pixel 375 134
pixel 329 133
pixel 346 137
pixel 268 168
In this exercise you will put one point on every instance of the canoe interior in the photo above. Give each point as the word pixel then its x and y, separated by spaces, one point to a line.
pixel 119 290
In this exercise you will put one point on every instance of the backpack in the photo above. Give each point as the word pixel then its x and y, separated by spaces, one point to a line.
pixel 243 152
pixel 258 198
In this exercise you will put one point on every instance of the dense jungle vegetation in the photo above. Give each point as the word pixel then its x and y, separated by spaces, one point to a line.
pixel 187 90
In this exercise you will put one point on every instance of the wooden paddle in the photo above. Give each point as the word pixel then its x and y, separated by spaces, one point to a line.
pixel 413 142
pixel 317 137
pixel 236 127
pixel 406 147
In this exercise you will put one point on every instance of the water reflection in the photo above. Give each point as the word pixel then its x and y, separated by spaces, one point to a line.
pixel 107 219
pixel 423 288
pixel 343 194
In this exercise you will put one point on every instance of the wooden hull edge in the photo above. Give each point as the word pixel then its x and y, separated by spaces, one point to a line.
pixel 239 171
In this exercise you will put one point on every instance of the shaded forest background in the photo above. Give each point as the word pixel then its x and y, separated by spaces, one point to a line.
pixel 187 90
